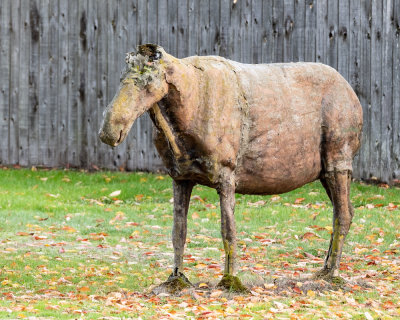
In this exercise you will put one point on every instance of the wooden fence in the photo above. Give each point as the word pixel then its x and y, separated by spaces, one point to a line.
pixel 60 63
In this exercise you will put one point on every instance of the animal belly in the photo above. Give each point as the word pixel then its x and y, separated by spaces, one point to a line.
pixel 263 174
pixel 282 153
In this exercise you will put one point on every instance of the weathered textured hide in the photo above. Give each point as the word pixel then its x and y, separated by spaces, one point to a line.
pixel 251 129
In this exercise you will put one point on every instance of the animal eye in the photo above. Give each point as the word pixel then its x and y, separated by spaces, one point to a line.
pixel 155 56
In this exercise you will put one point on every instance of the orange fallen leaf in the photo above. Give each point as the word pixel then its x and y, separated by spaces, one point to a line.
pixel 84 289
pixel 195 215
pixel 40 237
pixel 216 293
pixel 23 233
pixel 309 235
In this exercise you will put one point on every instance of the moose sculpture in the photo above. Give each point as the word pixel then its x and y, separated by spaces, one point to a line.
pixel 241 128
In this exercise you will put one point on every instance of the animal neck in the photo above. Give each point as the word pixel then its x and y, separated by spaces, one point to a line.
pixel 172 115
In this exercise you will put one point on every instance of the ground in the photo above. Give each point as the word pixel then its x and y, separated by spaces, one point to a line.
pixel 95 245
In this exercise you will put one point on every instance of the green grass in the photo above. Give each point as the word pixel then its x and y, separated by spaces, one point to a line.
pixel 68 249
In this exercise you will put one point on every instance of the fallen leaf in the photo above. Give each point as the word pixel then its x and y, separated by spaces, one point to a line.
pixel 195 215
pixel 115 193
pixel 216 293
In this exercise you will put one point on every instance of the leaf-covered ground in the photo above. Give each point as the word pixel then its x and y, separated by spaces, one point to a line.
pixel 94 245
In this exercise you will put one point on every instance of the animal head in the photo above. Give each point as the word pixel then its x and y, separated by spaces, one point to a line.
pixel 142 85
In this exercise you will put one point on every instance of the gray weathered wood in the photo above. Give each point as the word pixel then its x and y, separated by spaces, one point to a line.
pixel 310 31
pixel 60 63
pixel 354 35
pixel 23 84
pixel 299 26
pixel 322 36
pixel 4 79
pixel 288 27
pixel 13 139
pixel 278 28
pixel 365 86
pixel 395 163
pixel 34 64
pixel 386 96
pixel 375 115
pixel 343 44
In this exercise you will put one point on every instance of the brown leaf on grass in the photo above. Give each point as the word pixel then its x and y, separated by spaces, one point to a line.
pixel 299 200
pixel 119 215
pixel 256 204
pixel 40 237
pixel 195 215
pixel 198 198
pixel 309 236
pixel 21 233
pixel 139 197
pixel 216 293
pixel 69 229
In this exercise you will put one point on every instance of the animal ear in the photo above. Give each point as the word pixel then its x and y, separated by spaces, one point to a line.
pixel 150 50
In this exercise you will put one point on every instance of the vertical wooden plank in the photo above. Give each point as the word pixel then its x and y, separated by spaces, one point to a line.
pixel 163 27
pixel 82 107
pixel 396 92
pixel 386 102
pixel 102 75
pixel 91 116
pixel 267 32
pixel 53 62
pixel 376 88
pixel 63 80
pixel 112 76
pixel 224 28
pixel 256 31
pixel 73 66
pixel 288 43
pixel 141 133
pixel 44 84
pixel 322 31
pixel 298 30
pixel 152 22
pixel 354 38
pixel 23 95
pixel 214 34
pixel 204 27
pixel 245 25
pixel 333 17
pixel 365 86
pixel 278 28
pixel 13 146
pixel 131 143
pixel 343 43
pixel 310 34
pixel 235 34
pixel 120 65
pixel 182 32
pixel 33 100
pixel 172 23
pixel 5 14
pixel 142 22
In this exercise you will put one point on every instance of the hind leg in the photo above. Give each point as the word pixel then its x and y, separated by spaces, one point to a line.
pixel 337 185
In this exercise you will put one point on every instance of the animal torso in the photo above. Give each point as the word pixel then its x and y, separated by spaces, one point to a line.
pixel 270 123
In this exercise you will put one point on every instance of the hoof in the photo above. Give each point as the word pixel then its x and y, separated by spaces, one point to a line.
pixel 232 283
pixel 174 284
pixel 329 275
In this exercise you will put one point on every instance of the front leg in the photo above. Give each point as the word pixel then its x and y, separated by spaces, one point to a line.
pixel 177 280
pixel 228 232
pixel 182 192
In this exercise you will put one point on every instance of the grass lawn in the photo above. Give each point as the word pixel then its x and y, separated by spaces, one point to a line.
pixel 93 245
